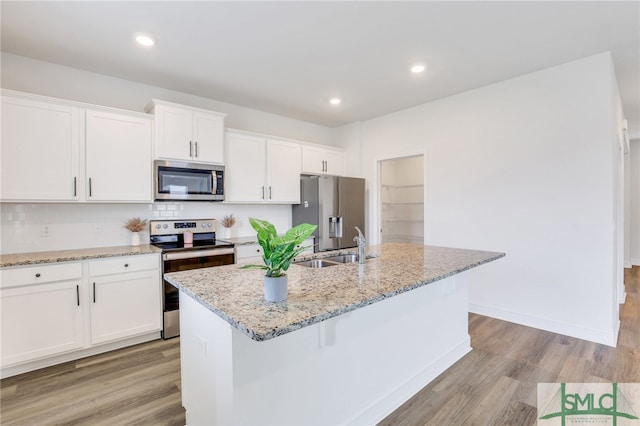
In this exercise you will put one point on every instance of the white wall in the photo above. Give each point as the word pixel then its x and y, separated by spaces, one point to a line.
pixel 44 78
pixel 525 167
pixel 74 225
pixel 634 202
pixel 349 138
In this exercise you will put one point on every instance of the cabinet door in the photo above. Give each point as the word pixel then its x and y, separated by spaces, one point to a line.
pixel 312 160
pixel 40 320
pixel 249 253
pixel 119 161
pixel 40 150
pixel 283 172
pixel 174 137
pixel 318 161
pixel 245 159
pixel 334 163
pixel 125 305
pixel 208 136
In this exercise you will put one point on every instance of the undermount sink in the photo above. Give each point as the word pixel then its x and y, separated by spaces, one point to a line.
pixel 316 263
pixel 329 261
pixel 344 258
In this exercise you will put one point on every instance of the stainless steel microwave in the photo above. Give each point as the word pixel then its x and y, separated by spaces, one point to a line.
pixel 184 181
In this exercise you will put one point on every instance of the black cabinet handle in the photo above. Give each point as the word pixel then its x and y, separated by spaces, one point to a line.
pixel 78 294
pixel 94 292
pixel 38 275
pixel 196 149
pixel 126 265
pixel 90 187
pixel 75 187
pixel 191 149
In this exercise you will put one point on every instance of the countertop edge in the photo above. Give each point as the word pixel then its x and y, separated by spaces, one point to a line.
pixel 40 258
pixel 259 337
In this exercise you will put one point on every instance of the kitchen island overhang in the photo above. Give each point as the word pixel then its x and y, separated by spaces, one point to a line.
pixel 351 343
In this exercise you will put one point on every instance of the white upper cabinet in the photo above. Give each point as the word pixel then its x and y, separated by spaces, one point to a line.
pixel 119 160
pixel 319 161
pixel 55 150
pixel 186 133
pixel 283 172
pixel 245 170
pixel 261 170
pixel 40 150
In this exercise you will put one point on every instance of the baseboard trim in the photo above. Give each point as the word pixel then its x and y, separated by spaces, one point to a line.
pixel 559 327
pixel 387 405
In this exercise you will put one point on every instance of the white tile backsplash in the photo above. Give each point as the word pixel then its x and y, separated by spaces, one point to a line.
pixel 84 225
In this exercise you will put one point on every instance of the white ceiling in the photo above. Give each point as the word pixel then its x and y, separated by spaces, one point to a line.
pixel 290 58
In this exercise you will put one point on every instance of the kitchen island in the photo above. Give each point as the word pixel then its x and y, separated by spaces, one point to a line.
pixel 351 343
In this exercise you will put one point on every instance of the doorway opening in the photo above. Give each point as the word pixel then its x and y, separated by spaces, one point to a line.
pixel 402 200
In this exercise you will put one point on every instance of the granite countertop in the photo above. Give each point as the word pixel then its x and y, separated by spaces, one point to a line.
pixel 35 258
pixel 240 241
pixel 236 295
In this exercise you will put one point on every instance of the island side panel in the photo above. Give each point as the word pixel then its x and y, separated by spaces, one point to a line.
pixel 354 368
pixel 206 365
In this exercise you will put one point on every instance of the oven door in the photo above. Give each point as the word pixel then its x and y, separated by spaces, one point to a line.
pixel 184 261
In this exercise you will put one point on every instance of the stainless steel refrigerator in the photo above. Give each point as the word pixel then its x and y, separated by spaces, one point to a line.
pixel 336 205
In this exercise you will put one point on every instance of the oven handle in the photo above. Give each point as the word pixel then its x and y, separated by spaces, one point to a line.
pixel 197 253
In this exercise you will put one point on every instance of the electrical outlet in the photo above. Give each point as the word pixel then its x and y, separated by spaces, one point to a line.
pixel 44 230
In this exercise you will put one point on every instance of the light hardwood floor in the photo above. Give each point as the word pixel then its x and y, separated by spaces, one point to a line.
pixel 495 384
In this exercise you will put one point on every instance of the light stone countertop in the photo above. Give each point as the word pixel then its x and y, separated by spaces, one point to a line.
pixel 36 258
pixel 236 295
pixel 240 241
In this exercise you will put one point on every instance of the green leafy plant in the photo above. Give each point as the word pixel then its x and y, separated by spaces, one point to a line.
pixel 279 251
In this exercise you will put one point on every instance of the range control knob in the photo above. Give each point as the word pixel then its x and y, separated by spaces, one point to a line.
pixel 209 224
pixel 158 226
pixel 165 226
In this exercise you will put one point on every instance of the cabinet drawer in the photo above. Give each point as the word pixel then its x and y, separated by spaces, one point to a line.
pixel 39 274
pixel 247 251
pixel 122 264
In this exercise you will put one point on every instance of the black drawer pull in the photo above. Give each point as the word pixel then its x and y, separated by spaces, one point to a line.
pixel 38 275
pixel 126 265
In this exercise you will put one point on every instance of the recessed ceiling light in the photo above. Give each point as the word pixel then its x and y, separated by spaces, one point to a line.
pixel 417 68
pixel 335 101
pixel 145 40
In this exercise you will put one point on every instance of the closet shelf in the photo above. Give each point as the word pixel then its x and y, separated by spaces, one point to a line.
pixel 408 203
pixel 417 185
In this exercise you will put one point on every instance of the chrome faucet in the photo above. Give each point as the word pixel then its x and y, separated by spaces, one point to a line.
pixel 362 245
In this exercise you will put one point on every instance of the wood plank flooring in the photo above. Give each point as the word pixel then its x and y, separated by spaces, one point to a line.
pixel 495 384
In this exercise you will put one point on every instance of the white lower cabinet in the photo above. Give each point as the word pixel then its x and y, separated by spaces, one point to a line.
pixel 41 312
pixel 249 253
pixel 57 312
pixel 125 297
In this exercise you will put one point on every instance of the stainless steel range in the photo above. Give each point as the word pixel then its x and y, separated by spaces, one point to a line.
pixel 186 244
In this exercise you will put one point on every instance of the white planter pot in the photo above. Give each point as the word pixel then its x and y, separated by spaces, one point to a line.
pixel 135 239
pixel 275 289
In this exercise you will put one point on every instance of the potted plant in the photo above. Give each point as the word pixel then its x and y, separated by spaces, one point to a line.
pixel 227 222
pixel 135 225
pixel 278 253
